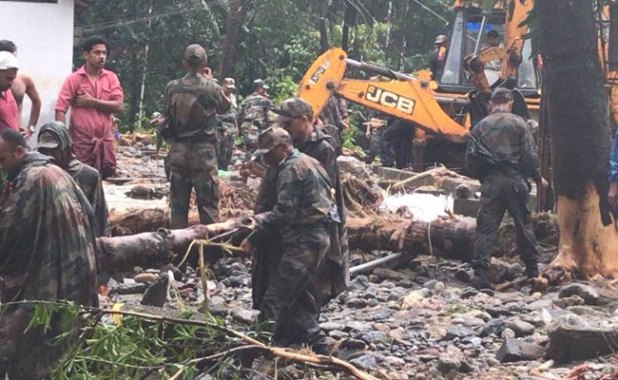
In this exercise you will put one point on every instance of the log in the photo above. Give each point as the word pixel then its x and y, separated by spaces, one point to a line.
pixel 121 253
pixel 445 237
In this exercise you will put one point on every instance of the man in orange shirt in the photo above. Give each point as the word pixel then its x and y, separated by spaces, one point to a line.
pixel 93 94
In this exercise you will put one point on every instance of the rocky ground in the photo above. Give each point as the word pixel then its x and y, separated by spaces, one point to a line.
pixel 418 320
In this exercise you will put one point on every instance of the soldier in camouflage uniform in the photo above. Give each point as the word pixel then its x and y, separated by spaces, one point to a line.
pixel 301 217
pixel 501 153
pixel 253 116
pixel 54 140
pixel 296 117
pixel 191 105
pixel 335 119
pixel 227 129
pixel 47 252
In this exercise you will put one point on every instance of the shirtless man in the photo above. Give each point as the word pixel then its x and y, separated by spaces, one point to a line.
pixel 23 85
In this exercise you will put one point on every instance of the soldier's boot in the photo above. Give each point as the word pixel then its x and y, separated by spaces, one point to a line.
pixel 480 280
pixel 532 270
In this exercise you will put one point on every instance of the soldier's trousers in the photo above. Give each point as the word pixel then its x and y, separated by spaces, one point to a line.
pixel 500 193
pixel 225 148
pixel 193 165
pixel 289 306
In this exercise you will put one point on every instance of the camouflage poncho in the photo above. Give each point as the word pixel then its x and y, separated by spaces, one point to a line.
pixel 47 252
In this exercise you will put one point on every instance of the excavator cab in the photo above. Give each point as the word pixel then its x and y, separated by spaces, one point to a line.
pixel 473 30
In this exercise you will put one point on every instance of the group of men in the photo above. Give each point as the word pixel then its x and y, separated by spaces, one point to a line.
pixel 52 203
pixel 299 245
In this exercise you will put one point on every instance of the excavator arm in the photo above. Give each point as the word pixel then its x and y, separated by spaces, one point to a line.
pixel 405 97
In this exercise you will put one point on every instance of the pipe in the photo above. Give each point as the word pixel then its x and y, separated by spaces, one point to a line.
pixel 371 265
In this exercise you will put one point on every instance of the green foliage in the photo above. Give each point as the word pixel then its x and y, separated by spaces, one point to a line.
pixel 277 42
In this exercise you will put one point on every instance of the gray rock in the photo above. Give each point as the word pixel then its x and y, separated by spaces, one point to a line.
pixel 358 326
pixel 359 283
pixel 588 293
pixel 352 344
pixel 430 284
pixel 448 362
pixel 365 362
pixel 520 327
pixel 244 315
pixel 464 275
pixel 508 334
pixel 458 332
pixel 328 326
pixel 513 350
pixel 374 337
pixel 356 303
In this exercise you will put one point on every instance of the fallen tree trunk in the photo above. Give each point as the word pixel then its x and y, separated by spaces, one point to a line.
pixel 153 248
pixel 447 237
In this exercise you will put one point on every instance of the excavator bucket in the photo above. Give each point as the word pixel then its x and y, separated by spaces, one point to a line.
pixel 322 78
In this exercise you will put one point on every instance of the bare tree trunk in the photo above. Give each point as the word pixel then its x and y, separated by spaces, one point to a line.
pixel 576 104
pixel 348 19
pixel 322 26
pixel 235 19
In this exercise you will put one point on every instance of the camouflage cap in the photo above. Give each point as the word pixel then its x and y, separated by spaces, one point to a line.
pixel 48 139
pixel 260 83
pixel 502 95
pixel 270 138
pixel 291 108
pixel 229 82
pixel 196 53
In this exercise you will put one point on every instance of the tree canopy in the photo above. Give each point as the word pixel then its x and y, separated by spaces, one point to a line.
pixel 275 40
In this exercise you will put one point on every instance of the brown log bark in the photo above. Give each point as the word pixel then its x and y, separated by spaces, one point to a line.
pixel 575 104
pixel 122 253
pixel 448 238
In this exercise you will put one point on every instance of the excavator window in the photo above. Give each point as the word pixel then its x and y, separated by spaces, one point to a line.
pixel 472 31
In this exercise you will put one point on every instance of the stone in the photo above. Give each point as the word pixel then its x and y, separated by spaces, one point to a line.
pixel 145 278
pixel 448 362
pixel 508 334
pixel 217 307
pixel 352 344
pixel 587 293
pixel 573 343
pixel 374 337
pixel 439 287
pixel 389 274
pixel 464 275
pixel 513 350
pixel 356 303
pixel 520 327
pixel 365 362
pixel 360 282
pixel 358 326
pixel 458 332
pixel 430 284
pixel 328 326
pixel 244 315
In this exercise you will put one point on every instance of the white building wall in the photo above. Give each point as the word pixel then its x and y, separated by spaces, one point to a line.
pixel 43 34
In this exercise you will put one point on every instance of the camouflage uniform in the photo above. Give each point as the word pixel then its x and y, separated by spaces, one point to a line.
pixel 227 132
pixel 191 104
pixel 85 176
pixel 300 217
pixel 335 272
pixel 47 252
pixel 253 118
pixel 333 116
pixel 509 159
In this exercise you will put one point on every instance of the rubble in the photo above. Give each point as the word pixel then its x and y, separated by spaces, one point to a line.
pixel 416 319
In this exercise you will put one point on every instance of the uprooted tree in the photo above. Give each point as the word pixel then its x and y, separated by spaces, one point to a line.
pixel 576 111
